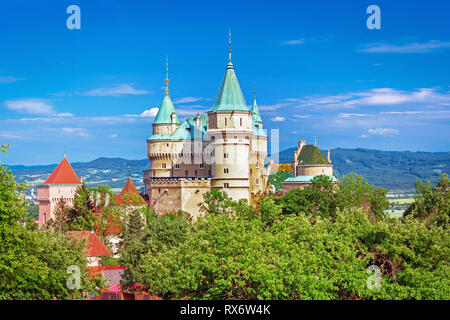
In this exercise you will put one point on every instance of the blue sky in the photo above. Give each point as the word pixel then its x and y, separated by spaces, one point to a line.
pixel 319 71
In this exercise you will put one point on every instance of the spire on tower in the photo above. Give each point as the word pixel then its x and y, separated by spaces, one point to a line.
pixel 167 73
pixel 229 45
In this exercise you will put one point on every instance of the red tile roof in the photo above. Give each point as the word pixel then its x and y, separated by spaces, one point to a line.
pixel 63 174
pixel 94 246
pixel 130 189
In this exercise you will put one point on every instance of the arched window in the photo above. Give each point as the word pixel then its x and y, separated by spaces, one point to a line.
pixel 240 121
pixel 226 123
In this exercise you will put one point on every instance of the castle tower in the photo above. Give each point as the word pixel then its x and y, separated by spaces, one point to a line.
pixel 62 183
pixel 230 131
pixel 258 152
pixel 159 147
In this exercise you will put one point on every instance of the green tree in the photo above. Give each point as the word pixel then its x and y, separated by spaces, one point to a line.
pixel 81 216
pixel 431 203
pixel 33 264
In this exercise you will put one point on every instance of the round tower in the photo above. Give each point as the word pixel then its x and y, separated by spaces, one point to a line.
pixel 230 130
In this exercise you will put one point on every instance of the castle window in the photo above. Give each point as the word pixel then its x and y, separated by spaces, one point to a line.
pixel 226 185
pixel 202 165
pixel 240 121
pixel 225 155
pixel 213 138
pixel 225 121
pixel 257 164
pixel 257 181
pixel 225 170
pixel 209 172
pixel 251 171
pixel 195 173
pixel 177 166
pixel 186 173
pixel 167 145
pixel 163 165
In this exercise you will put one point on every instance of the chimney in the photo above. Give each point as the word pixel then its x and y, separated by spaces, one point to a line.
pixel 328 156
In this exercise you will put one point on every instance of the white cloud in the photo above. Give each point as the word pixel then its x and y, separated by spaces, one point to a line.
pixel 65 114
pixel 383 131
pixel 188 99
pixel 302 116
pixel 294 42
pixel 114 135
pixel 80 132
pixel 9 79
pixel 363 136
pixel 119 90
pixel 31 106
pixel 150 112
pixel 412 47
pixel 278 119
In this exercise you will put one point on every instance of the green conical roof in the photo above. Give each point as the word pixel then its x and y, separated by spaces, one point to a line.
pixel 230 96
pixel 165 110
pixel 256 116
pixel 310 154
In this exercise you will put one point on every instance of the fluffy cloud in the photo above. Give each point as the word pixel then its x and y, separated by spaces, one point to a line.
pixel 120 90
pixel 278 119
pixel 150 112
pixel 31 106
pixel 113 136
pixel 383 131
pixel 188 99
pixel 80 132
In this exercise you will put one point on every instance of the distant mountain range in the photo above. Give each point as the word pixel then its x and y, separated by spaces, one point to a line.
pixel 395 170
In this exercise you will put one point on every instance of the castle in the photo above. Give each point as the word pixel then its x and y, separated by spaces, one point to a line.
pixel 308 163
pixel 222 150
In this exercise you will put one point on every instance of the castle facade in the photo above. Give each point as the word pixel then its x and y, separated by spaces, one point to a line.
pixel 223 149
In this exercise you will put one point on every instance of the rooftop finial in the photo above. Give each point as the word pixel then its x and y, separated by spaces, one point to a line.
pixel 167 73
pixel 129 172
pixel 254 91
pixel 229 45
pixel 65 153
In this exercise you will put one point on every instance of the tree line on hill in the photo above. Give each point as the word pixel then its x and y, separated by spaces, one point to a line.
pixel 326 241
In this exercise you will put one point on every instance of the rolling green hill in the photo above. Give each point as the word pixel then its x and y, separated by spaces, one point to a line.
pixel 395 170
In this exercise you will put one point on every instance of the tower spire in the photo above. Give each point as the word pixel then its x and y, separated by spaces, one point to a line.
pixel 229 45
pixel 167 73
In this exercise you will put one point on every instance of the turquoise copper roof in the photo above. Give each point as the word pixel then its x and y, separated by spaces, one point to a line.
pixel 230 96
pixel 165 111
pixel 188 130
pixel 310 154
pixel 305 179
pixel 255 112
pixel 257 122
pixel 160 137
